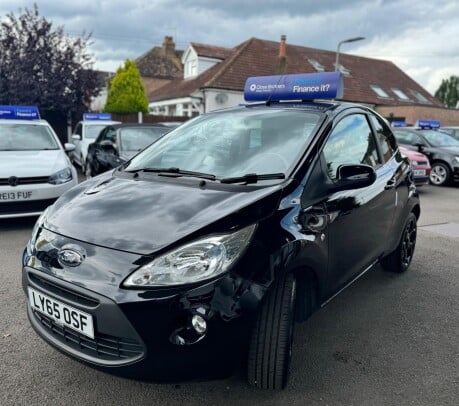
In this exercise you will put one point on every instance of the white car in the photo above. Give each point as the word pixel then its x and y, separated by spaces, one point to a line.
pixel 34 167
pixel 85 133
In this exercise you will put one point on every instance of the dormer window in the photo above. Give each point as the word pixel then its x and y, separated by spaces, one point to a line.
pixel 316 65
pixel 400 94
pixel 380 92
pixel 191 68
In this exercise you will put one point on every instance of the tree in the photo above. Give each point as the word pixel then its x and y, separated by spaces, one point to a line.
pixel 125 92
pixel 448 92
pixel 40 65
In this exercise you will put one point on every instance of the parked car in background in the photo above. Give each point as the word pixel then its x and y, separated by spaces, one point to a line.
pixel 86 131
pixel 420 164
pixel 118 143
pixel 453 131
pixel 34 167
pixel 176 266
pixel 441 149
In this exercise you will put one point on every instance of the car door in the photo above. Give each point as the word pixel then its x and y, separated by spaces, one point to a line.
pixel 358 220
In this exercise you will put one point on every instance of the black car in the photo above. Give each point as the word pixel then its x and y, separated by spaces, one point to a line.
pixel 208 246
pixel 118 143
pixel 441 149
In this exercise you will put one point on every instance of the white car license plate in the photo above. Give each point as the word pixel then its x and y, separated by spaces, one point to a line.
pixel 61 313
pixel 4 196
pixel 420 172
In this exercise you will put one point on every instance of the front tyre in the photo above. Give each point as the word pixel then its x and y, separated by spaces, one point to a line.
pixel 400 259
pixel 440 174
pixel 270 349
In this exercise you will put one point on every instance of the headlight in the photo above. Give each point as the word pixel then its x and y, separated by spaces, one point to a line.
pixel 456 159
pixel 63 176
pixel 36 228
pixel 194 262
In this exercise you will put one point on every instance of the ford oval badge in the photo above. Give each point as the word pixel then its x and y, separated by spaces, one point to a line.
pixel 69 257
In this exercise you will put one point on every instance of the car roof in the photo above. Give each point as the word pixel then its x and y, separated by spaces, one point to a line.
pixel 139 125
pixel 30 122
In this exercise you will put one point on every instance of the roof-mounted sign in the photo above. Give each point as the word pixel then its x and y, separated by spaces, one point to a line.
pixel 19 112
pixel 398 124
pixel 427 124
pixel 97 116
pixel 303 86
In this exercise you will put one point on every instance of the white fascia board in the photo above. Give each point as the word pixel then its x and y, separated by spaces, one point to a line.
pixel 189 53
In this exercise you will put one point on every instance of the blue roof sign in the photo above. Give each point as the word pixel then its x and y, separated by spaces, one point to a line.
pixel 97 116
pixel 19 112
pixel 398 124
pixel 427 124
pixel 303 86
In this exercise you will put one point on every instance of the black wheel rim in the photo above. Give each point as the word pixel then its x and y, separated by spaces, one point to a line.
pixel 408 243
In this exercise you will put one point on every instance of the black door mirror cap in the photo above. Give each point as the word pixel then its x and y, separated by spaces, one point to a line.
pixel 354 177
pixel 419 146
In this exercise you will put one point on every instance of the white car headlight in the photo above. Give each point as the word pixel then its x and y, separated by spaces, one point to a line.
pixel 195 262
pixel 63 176
pixel 456 159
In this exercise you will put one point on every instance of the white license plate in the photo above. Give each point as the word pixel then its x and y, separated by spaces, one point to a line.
pixel 10 196
pixel 420 172
pixel 61 313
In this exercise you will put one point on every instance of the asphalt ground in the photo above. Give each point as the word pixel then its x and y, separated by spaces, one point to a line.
pixel 387 340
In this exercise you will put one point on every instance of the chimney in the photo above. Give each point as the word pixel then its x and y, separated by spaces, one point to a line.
pixel 282 45
pixel 168 46
pixel 282 55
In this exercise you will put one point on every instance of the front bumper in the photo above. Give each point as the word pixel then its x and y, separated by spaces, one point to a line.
pixel 136 337
pixel 41 195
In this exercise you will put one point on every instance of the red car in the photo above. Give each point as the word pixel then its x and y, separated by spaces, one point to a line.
pixel 420 164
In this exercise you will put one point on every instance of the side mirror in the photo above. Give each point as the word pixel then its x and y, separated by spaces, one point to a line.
pixel 419 146
pixel 354 177
pixel 108 146
pixel 69 147
pixel 76 137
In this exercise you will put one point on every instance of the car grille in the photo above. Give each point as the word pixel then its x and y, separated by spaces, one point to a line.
pixel 26 181
pixel 103 347
pixel 30 206
pixel 59 291
pixel 422 163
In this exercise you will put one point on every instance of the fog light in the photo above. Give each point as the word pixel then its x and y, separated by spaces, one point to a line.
pixel 199 324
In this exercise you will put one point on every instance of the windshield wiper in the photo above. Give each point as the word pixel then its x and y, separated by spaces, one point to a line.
pixel 176 171
pixel 253 178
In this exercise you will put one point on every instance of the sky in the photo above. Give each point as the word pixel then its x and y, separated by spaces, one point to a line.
pixel 419 36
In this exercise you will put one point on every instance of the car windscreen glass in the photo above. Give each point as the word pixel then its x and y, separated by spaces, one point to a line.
pixel 26 137
pixel 137 138
pixel 93 130
pixel 233 143
pixel 439 139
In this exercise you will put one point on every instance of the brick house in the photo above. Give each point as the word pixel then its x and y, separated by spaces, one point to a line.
pixel 214 78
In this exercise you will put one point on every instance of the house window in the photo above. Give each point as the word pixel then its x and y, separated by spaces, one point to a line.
pixel 400 94
pixel 191 68
pixel 380 92
pixel 316 65
pixel 419 96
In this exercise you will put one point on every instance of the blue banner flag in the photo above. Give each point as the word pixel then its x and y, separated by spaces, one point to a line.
pixel 97 116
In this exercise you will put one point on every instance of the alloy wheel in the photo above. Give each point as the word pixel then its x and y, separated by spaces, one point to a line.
pixel 438 175
pixel 408 243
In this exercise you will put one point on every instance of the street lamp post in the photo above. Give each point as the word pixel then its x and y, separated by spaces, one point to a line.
pixel 339 45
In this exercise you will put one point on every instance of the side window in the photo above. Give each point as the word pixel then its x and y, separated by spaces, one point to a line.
pixel 111 135
pixel 385 137
pixel 351 142
pixel 101 136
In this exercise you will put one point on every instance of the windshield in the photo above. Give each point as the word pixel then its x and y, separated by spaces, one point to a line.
pixel 136 138
pixel 26 137
pixel 233 143
pixel 93 130
pixel 439 139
